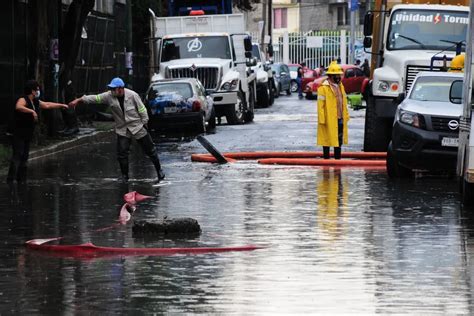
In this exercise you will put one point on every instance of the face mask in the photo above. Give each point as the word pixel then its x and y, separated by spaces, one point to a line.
pixel 336 79
pixel 37 94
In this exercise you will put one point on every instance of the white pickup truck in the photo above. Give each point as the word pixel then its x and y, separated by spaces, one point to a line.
pixel 214 49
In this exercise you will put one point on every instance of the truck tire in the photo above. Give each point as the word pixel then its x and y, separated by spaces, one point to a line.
pixel 271 88
pixel 276 91
pixel 263 98
pixel 467 193
pixel 249 113
pixel 235 115
pixel 377 129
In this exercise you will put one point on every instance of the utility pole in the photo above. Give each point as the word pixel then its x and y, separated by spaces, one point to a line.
pixel 264 19
pixel 269 19
pixel 353 6
pixel 129 44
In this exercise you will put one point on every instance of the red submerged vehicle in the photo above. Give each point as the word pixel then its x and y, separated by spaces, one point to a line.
pixel 353 80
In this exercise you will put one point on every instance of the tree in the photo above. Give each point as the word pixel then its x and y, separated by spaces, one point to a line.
pixel 69 42
pixel 245 5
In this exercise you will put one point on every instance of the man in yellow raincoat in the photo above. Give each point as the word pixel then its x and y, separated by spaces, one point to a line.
pixel 332 112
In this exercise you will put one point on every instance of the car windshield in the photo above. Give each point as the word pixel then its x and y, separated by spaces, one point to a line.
pixel 182 88
pixel 196 47
pixel 422 29
pixel 432 89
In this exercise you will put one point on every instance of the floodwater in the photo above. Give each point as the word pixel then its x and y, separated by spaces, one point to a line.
pixel 336 240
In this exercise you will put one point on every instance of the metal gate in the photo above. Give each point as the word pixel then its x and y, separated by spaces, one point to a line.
pixel 292 48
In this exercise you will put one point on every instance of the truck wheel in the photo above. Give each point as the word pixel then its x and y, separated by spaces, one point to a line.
pixel 235 115
pixel 376 130
pixel 263 98
pixel 394 169
pixel 293 86
pixel 249 114
pixel 271 88
pixel 467 193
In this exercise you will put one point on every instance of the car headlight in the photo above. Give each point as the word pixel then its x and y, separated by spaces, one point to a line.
pixel 230 85
pixel 385 86
pixel 410 118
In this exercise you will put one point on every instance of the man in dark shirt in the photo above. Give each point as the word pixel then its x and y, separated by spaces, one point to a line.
pixel 24 122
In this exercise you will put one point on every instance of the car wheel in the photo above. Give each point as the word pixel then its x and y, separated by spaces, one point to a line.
pixel 211 125
pixel 271 89
pixel 202 124
pixel 288 91
pixel 276 91
pixel 294 86
pixel 235 115
pixel 394 169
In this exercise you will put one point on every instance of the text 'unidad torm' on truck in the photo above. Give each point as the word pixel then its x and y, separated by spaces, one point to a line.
pixel 406 39
pixel 212 48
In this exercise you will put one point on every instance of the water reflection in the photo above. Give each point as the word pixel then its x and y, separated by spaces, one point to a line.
pixel 332 200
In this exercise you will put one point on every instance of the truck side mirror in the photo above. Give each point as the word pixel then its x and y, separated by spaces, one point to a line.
pixel 252 61
pixel 368 23
pixel 455 92
pixel 367 42
pixel 248 44
pixel 270 50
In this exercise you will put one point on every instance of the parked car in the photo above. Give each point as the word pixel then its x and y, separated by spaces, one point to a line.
pixel 426 126
pixel 282 78
pixel 353 80
pixel 178 104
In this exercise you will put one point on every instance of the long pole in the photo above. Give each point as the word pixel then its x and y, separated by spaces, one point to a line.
pixel 269 19
pixel 352 37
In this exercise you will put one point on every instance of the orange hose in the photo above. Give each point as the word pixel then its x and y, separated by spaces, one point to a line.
pixel 231 157
pixel 322 162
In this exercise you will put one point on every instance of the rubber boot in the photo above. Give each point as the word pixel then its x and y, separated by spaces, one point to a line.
pixel 337 153
pixel 124 170
pixel 159 172
pixel 326 152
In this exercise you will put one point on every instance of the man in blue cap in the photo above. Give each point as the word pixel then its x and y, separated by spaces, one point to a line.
pixel 130 117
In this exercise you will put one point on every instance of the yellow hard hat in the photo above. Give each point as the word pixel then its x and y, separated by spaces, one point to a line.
pixel 457 64
pixel 334 69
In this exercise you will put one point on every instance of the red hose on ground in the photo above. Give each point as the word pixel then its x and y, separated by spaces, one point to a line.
pixel 89 250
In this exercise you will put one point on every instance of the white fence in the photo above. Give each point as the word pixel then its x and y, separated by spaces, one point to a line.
pixel 297 47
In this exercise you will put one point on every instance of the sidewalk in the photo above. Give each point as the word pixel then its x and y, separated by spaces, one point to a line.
pixel 60 145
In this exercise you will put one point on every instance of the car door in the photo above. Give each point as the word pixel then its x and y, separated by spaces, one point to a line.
pixel 360 77
pixel 286 77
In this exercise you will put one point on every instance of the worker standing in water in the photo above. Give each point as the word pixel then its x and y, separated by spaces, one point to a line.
pixel 333 114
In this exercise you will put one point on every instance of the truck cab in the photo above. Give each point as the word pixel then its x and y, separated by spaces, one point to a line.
pixel 215 50
pixel 265 84
pixel 407 38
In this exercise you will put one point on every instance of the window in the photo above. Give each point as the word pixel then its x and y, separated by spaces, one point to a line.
pixel 350 73
pixel 280 18
pixel 359 72
pixel 342 15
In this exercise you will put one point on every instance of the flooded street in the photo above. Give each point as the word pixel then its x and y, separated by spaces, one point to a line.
pixel 335 240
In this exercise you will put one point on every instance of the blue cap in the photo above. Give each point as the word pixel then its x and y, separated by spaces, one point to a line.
pixel 116 83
